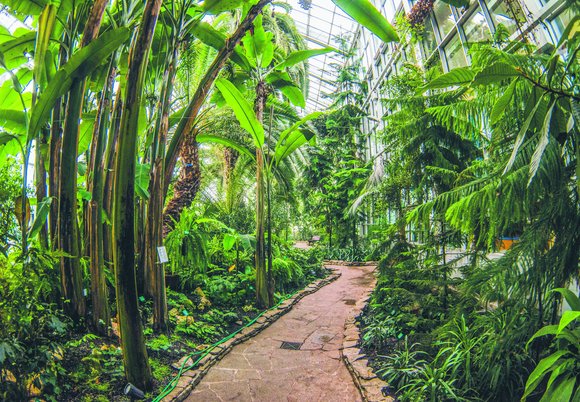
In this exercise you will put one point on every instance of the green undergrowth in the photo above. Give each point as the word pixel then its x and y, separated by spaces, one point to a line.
pixel 200 314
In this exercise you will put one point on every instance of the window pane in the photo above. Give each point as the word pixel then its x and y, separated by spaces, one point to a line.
pixel 506 14
pixel 561 22
pixel 455 54
pixel 476 28
pixel 444 17
pixel 429 42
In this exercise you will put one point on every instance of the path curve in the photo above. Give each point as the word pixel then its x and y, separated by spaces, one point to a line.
pixel 259 371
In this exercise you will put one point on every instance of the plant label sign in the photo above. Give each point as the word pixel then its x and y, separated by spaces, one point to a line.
pixel 162 253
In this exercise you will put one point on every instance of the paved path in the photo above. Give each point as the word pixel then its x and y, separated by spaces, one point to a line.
pixel 258 370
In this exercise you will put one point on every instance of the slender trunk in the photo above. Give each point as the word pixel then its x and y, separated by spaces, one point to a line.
pixel 71 272
pixel 135 360
pixel 262 293
pixel 99 292
pixel 54 166
pixel 109 162
pixel 40 176
pixel 154 272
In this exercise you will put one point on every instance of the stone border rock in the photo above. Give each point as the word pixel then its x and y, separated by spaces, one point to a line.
pixel 369 385
pixel 350 263
pixel 190 378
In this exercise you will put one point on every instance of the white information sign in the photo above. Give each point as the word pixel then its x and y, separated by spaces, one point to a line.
pixel 162 253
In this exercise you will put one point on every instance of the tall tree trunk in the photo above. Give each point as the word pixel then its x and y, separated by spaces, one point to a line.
pixel 95 172
pixel 71 272
pixel 136 363
pixel 187 184
pixel 54 166
pixel 40 179
pixel 154 272
pixel 262 294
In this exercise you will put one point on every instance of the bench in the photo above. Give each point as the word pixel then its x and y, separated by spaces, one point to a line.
pixel 313 239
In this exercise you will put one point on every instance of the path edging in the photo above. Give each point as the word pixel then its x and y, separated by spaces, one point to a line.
pixel 368 383
pixel 190 378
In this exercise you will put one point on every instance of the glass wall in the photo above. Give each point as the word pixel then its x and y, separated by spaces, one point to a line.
pixel 507 13
pixel 476 28
pixel 444 18
pixel 455 53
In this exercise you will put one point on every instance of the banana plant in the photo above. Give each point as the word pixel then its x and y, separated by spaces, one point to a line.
pixel 287 143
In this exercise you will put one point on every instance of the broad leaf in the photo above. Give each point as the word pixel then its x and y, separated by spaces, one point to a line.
pixel 301 55
pixel 292 142
pixel 79 66
pixel 457 3
pixel 13 120
pixel 299 123
pixel 457 76
pixel 229 241
pixel 562 392
pixel 217 40
pixel 544 366
pixel 42 211
pixel 570 297
pixel 547 330
pixel 243 111
pixel 567 318
pixel 495 73
pixel 204 138
pixel 142 180
pixel 363 12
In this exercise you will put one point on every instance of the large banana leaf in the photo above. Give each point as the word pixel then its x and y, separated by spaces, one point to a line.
pixel 217 40
pixel 81 64
pixel 283 82
pixel 243 111
pixel 363 12
pixel 292 142
pixel 301 55
pixel 45 27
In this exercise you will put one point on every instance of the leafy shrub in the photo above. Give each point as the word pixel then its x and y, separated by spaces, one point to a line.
pixel 32 325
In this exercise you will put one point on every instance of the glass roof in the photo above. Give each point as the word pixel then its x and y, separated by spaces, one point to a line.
pixel 320 25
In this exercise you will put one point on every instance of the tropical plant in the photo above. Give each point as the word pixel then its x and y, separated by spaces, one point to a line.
pixel 563 364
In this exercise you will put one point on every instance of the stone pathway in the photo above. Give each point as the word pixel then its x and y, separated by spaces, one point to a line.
pixel 258 370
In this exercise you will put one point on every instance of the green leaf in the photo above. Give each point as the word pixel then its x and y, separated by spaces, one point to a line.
pixel 42 211
pixel 495 73
pixel 243 111
pixel 205 138
pixel 229 241
pixel 142 180
pixel 457 76
pixel 544 366
pixel 521 136
pixel 363 12
pixel 561 392
pixel 218 6
pixel 45 28
pixel 547 330
pixel 12 52
pixel 299 56
pixel 502 102
pixel 292 142
pixel 283 82
pixel 570 297
pixel 81 64
pixel 567 318
pixel 542 144
pixel 457 3
pixel 299 123
pixel 13 120
pixel 217 40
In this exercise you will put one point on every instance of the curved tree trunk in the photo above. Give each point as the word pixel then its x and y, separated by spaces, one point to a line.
pixel 187 184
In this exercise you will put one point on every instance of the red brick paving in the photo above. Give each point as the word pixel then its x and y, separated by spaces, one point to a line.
pixel 259 371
